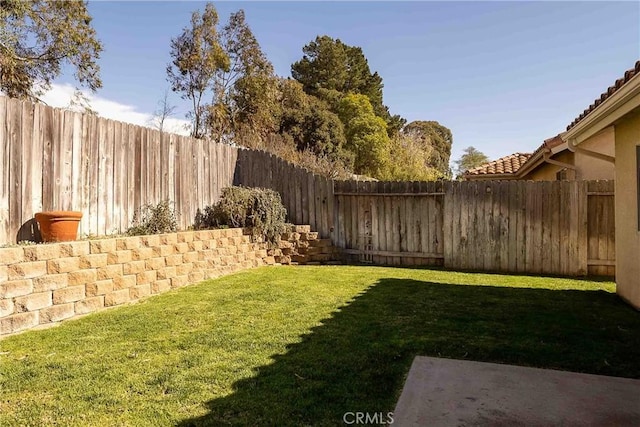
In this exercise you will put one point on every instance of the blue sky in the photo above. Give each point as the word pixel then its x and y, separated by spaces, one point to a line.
pixel 503 76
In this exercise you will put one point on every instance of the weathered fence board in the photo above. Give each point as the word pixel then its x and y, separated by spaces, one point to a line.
pixel 5 188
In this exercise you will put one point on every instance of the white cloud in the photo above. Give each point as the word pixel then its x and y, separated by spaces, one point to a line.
pixel 61 96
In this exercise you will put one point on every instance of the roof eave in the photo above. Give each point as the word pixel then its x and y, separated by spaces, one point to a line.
pixel 620 103
pixel 531 163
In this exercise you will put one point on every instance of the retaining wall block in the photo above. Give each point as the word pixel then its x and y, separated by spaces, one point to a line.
pixel 33 302
pixel 41 252
pixel 128 243
pixel 110 271
pixel 68 294
pixel 124 282
pixel 89 305
pixel 100 287
pixel 74 249
pixel 120 257
pixel 16 288
pixel 56 313
pixel 116 297
pixel 95 260
pixel 50 282
pixel 63 265
pixel 27 270
pixel 102 246
pixel 19 322
pixel 6 307
pixel 82 277
pixel 11 255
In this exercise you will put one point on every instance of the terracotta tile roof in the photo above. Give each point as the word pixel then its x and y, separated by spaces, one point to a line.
pixel 554 141
pixel 548 144
pixel 504 165
pixel 612 89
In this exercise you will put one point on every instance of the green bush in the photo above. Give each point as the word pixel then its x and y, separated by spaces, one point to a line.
pixel 205 218
pixel 154 219
pixel 260 209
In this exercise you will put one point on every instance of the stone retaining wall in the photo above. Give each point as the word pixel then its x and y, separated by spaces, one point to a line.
pixel 48 283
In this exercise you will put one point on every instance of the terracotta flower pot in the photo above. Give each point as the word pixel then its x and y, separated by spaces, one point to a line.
pixel 58 226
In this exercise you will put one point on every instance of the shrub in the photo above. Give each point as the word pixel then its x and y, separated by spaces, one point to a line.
pixel 205 218
pixel 154 219
pixel 260 209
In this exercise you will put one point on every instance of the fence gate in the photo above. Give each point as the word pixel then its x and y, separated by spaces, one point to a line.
pixel 601 228
pixel 397 223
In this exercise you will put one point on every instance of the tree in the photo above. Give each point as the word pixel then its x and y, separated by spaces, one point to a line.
pixel 366 136
pixel 309 122
pixel 330 69
pixel 395 123
pixel 164 111
pixel 472 158
pixel 409 160
pixel 196 58
pixel 80 102
pixel 436 137
pixel 246 93
pixel 38 37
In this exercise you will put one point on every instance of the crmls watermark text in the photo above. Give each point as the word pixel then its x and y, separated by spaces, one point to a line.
pixel 351 418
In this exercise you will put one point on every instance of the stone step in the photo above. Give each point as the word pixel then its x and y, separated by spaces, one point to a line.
pixel 299 258
pixel 321 257
pixel 319 251
pixel 302 229
pixel 302 244
pixel 274 252
pixel 312 235
pixel 321 243
pixel 284 244
pixel 283 259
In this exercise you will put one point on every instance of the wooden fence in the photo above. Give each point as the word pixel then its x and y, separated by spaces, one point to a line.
pixel 560 227
pixel 309 198
pixel 391 222
pixel 554 227
pixel 52 159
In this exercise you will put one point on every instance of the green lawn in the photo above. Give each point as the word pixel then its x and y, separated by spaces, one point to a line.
pixel 302 345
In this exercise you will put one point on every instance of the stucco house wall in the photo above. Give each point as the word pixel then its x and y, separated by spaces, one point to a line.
pixel 591 168
pixel 617 112
pixel 627 138
pixel 547 171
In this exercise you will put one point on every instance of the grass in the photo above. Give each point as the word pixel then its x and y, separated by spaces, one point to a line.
pixel 303 345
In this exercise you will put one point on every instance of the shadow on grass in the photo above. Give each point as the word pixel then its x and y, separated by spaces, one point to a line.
pixel 358 359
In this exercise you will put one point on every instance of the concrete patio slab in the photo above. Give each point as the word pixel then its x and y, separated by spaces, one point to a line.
pixel 447 392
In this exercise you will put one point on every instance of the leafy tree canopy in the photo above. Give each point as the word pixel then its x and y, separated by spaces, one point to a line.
pixel 366 136
pixel 227 77
pixel 309 122
pixel 410 160
pixel 472 158
pixel 330 69
pixel 197 56
pixel 38 37
pixel 436 137
pixel 245 93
